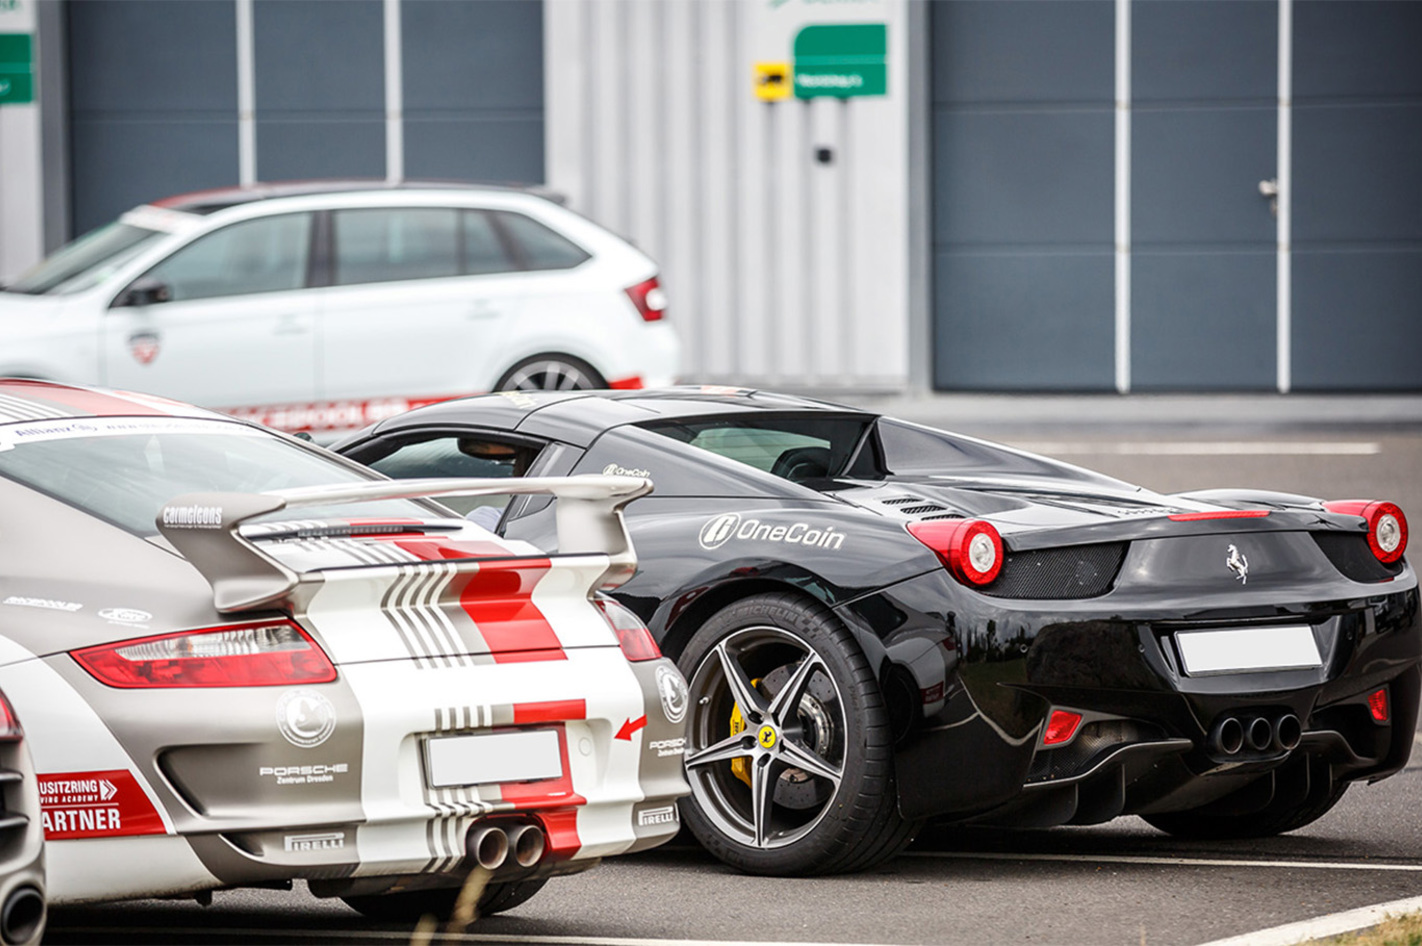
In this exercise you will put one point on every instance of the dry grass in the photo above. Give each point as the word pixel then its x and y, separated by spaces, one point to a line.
pixel 1405 930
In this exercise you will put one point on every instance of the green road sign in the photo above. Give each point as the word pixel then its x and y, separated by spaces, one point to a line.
pixel 17 82
pixel 841 60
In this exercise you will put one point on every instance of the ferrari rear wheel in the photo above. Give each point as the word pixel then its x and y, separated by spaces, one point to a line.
pixel 1272 820
pixel 789 750
pixel 410 907
pixel 551 373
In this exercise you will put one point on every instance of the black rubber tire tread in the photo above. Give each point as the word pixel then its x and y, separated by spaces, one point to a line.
pixel 1260 824
pixel 870 830
pixel 588 370
pixel 411 906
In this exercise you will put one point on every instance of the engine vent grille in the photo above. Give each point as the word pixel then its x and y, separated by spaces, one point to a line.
pixel 1349 553
pixel 1076 571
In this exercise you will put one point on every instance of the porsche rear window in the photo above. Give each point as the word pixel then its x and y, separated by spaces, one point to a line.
pixel 793 448
pixel 123 470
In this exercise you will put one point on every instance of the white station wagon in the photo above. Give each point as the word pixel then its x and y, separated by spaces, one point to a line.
pixel 330 305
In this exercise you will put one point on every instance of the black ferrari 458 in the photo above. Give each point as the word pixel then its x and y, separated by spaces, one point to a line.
pixel 884 624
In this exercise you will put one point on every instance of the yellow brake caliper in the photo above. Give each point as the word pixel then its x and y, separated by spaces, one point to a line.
pixel 740 767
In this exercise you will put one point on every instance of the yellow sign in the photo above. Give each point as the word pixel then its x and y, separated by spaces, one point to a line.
pixel 772 81
pixel 766 736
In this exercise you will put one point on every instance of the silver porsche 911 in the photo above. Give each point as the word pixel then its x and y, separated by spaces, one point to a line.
pixel 228 658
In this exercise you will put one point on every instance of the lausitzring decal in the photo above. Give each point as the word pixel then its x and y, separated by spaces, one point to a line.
pixel 95 805
pixel 727 526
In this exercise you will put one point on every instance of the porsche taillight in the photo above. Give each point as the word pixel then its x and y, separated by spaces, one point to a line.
pixel 273 653
pixel 970 549
pixel 9 725
pixel 1387 526
pixel 633 637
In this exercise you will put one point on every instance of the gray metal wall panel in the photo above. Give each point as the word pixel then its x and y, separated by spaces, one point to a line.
pixel 1358 172
pixel 1356 319
pixel 1365 48
pixel 320 88
pixel 1195 175
pixel 153 103
pixel 1357 213
pixel 320 146
pixel 1203 320
pixel 1023 232
pixel 130 56
pixel 1024 177
pixel 1023 51
pixel 473 89
pixel 1186 51
pixel 1025 322
pixel 121 163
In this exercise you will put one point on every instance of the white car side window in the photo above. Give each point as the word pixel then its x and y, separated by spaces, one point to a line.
pixel 263 255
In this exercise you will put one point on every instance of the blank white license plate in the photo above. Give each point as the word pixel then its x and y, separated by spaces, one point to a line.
pixel 495 757
pixel 1254 648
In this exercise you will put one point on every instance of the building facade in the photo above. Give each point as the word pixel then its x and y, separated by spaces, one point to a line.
pixel 861 195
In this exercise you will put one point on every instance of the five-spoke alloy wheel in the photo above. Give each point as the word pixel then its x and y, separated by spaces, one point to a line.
pixel 788 751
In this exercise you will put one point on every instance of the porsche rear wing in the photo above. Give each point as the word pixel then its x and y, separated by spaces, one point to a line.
pixel 205 528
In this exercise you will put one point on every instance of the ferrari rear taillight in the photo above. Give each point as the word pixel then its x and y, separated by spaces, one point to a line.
pixel 1387 526
pixel 276 653
pixel 1377 705
pixel 632 635
pixel 1061 726
pixel 650 300
pixel 970 549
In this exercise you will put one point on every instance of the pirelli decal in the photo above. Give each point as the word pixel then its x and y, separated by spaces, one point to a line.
pixel 107 804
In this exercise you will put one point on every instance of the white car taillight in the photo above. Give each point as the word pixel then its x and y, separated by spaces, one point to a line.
pixel 275 653
pixel 650 300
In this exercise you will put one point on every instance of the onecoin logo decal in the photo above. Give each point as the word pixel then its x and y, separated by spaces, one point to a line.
pixel 766 737
pixel 715 533
pixel 306 718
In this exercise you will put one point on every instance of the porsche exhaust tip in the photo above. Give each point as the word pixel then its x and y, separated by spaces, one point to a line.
pixel 1288 732
pixel 488 846
pixel 22 915
pixel 528 843
pixel 1228 736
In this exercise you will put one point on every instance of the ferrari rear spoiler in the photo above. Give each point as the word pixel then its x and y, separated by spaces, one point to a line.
pixel 205 528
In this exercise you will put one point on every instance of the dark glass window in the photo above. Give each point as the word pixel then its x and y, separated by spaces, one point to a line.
pixel 484 252
pixel 793 448
pixel 539 247
pixel 263 255
pixel 460 455
pixel 389 245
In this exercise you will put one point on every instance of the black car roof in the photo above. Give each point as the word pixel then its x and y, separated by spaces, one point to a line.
pixel 594 411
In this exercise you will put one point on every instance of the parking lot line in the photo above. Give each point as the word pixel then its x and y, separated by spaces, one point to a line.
pixel 319 934
pixel 1151 860
pixel 1210 448
pixel 1333 924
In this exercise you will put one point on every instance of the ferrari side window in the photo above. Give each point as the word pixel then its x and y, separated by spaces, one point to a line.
pixel 463 455
pixel 793 448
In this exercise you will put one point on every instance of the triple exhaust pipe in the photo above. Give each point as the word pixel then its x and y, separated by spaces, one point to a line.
pixel 1231 734
pixel 492 846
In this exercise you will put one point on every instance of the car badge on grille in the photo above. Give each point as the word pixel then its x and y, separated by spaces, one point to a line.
pixel 1238 564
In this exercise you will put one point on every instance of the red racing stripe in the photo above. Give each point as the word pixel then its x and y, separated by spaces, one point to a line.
pixel 499 599
pixel 80 400
pixel 436 549
pixel 549 793
pixel 560 826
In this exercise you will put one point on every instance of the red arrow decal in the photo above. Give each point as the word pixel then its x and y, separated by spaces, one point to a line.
pixel 631 726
